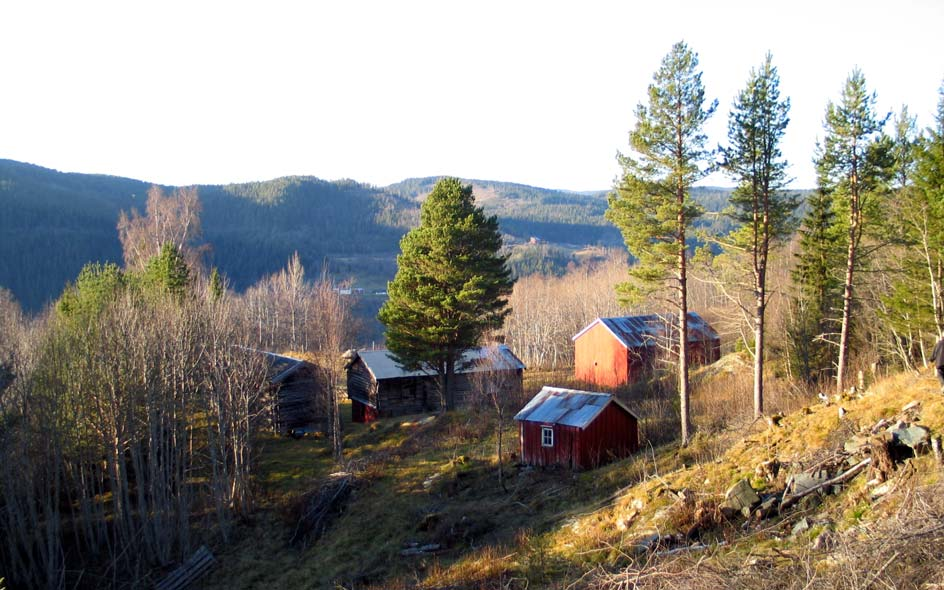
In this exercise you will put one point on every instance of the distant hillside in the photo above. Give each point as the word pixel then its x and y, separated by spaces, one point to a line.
pixel 53 223
pixel 560 217
pixel 555 216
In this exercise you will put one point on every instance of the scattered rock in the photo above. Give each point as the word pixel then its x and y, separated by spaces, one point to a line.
pixel 430 481
pixel 856 445
pixel 800 527
pixel 686 496
pixel 741 497
pixel 911 436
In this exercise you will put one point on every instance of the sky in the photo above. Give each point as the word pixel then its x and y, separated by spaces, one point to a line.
pixel 535 92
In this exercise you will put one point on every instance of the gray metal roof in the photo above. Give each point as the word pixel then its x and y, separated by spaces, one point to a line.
pixel 568 407
pixel 647 330
pixel 382 365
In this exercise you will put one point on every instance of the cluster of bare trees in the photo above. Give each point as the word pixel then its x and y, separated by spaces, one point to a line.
pixel 169 219
pixel 119 433
pixel 548 311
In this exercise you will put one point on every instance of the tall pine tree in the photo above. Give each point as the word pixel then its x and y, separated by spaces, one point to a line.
pixel 651 204
pixel 853 169
pixel 759 204
pixel 451 286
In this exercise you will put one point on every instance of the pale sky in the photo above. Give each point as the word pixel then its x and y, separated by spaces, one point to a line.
pixel 540 93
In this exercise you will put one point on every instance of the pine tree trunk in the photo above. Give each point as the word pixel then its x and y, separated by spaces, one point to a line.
pixel 759 355
pixel 846 319
pixel 854 232
pixel 683 331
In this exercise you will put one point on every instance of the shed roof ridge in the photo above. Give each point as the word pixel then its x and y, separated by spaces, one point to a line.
pixel 568 416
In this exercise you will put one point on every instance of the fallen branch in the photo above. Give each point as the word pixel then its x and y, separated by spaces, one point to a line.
pixel 841 478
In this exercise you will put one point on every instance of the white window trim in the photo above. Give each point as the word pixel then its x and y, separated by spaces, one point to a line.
pixel 547 436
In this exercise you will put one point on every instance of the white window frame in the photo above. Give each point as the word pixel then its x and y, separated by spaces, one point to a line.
pixel 547 436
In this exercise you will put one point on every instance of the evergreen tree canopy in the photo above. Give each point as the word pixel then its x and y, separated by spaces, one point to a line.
pixel 652 204
pixel 96 286
pixel 451 285
pixel 167 272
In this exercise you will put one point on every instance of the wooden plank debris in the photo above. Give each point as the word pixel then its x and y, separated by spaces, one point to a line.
pixel 188 572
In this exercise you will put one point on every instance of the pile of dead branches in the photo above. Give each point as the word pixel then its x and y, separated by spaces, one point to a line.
pixel 314 512
pixel 899 551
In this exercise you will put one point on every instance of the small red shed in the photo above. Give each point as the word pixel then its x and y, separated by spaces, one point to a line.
pixel 577 429
pixel 616 351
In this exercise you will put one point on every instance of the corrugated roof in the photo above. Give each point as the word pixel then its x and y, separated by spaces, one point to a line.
pixel 647 330
pixel 568 407
pixel 382 365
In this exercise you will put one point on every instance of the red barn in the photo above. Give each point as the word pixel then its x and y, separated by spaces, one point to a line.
pixel 577 429
pixel 616 351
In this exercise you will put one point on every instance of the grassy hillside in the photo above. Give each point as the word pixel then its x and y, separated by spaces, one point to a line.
pixel 650 521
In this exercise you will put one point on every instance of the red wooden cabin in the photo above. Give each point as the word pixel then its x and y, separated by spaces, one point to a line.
pixel 611 352
pixel 576 429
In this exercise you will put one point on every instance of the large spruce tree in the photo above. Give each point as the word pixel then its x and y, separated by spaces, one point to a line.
pixel 651 204
pixel 451 285
pixel 760 206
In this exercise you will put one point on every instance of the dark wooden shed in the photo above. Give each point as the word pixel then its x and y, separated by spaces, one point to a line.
pixel 379 387
pixel 576 429
pixel 299 395
pixel 617 351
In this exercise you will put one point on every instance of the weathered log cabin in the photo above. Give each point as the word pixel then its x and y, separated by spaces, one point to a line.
pixel 379 387
pixel 300 398
pixel 576 429
pixel 611 352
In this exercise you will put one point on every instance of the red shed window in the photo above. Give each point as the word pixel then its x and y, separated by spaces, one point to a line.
pixel 547 436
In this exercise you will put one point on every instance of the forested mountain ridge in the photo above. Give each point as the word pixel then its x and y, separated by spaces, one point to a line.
pixel 53 223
